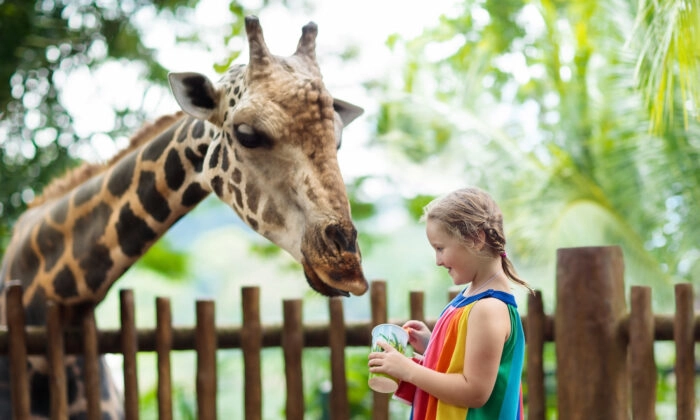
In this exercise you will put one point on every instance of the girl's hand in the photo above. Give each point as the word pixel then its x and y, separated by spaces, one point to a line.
pixel 418 335
pixel 391 362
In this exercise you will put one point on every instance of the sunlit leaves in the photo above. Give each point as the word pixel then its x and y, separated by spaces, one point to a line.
pixel 42 43
pixel 236 30
pixel 225 64
pixel 667 34
pixel 415 130
pixel 164 259
pixel 416 204
pixel 551 86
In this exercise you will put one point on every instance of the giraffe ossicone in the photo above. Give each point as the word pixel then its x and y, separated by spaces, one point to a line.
pixel 264 139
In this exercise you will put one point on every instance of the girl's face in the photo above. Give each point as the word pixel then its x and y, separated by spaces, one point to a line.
pixel 451 253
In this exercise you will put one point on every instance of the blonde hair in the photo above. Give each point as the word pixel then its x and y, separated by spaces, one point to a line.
pixel 466 212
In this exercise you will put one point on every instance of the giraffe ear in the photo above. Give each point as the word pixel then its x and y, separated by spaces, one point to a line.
pixel 347 111
pixel 195 94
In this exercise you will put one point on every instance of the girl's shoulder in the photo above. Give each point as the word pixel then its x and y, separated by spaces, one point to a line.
pixel 491 305
pixel 492 315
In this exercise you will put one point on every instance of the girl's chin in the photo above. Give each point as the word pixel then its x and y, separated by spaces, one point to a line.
pixel 457 281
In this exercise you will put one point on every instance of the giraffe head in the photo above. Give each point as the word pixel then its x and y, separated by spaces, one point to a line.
pixel 276 131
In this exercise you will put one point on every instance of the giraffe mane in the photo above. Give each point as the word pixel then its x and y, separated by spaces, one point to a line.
pixel 76 176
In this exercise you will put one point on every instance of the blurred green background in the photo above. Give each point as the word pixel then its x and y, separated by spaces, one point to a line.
pixel 580 117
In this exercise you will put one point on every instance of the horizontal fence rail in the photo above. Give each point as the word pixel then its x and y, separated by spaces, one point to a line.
pixel 315 335
pixel 636 331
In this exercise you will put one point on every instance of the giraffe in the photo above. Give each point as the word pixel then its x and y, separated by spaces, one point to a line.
pixel 264 139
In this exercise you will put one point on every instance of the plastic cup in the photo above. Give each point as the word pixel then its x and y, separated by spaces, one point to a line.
pixel 395 336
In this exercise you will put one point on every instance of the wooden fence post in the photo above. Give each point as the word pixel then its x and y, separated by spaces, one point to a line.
pixel 92 363
pixel 337 341
pixel 685 352
pixel 55 353
pixel 416 302
pixel 130 348
pixel 292 346
pixel 164 345
pixel 251 344
pixel 377 291
pixel 206 347
pixel 641 354
pixel 17 351
pixel 592 379
pixel 534 334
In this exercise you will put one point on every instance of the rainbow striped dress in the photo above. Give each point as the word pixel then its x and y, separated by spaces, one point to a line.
pixel 445 353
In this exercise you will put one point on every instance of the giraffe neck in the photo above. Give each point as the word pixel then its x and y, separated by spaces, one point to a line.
pixel 75 247
pixel 268 150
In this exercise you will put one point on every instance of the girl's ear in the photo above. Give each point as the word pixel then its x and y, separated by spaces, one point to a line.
pixel 480 240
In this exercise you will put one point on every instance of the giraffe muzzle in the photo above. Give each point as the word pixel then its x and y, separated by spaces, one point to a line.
pixel 332 261
pixel 322 282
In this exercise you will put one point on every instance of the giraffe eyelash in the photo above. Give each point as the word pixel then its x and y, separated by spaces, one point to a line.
pixel 250 138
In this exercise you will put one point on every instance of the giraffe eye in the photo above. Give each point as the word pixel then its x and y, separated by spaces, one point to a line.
pixel 250 138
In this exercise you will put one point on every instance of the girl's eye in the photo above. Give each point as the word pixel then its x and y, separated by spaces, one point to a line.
pixel 249 138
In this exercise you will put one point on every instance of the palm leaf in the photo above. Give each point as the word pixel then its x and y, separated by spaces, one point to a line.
pixel 667 34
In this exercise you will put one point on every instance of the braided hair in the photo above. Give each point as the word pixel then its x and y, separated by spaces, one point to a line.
pixel 466 212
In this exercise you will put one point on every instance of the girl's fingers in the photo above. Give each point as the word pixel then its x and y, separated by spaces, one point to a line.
pixel 386 346
pixel 411 324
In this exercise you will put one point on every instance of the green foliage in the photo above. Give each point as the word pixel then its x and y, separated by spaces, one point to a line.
pixel 541 101
pixel 265 249
pixel 237 29
pixel 667 35
pixel 547 104
pixel 416 204
pixel 184 404
pixel 42 42
pixel 361 209
pixel 416 131
pixel 161 257
pixel 359 395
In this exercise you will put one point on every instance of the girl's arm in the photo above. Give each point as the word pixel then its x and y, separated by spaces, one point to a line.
pixel 489 328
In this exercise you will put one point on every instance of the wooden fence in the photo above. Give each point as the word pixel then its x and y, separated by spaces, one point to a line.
pixel 605 365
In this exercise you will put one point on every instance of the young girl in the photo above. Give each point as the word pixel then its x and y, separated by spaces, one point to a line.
pixel 473 359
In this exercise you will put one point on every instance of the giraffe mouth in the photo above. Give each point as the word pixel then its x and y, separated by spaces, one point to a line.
pixel 323 283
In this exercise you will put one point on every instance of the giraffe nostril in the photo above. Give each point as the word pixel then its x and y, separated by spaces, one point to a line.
pixel 343 239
